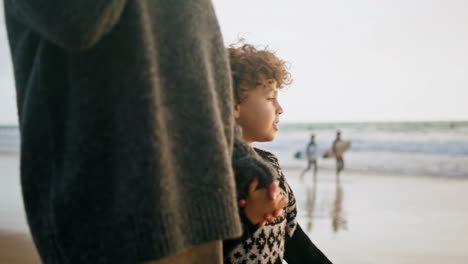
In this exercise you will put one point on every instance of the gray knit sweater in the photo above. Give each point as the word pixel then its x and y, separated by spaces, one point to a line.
pixel 125 111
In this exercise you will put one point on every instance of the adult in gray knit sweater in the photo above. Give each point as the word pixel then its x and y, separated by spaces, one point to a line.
pixel 257 76
pixel 127 130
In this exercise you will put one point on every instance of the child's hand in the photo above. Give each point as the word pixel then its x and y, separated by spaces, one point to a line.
pixel 263 204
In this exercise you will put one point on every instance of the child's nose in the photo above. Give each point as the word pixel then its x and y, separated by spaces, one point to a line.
pixel 279 110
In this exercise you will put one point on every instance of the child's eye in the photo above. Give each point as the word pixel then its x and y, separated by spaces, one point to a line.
pixel 271 98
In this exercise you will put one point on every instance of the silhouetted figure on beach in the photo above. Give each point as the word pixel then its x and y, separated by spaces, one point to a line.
pixel 338 154
pixel 311 154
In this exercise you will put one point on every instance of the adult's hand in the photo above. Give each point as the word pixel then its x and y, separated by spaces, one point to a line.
pixel 264 204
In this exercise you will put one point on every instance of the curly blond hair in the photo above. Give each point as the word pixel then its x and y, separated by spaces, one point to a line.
pixel 248 63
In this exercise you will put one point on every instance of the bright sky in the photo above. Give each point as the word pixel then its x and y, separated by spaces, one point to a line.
pixel 7 89
pixel 357 60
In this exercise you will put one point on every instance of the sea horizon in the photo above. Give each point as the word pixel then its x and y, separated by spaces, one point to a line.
pixel 432 148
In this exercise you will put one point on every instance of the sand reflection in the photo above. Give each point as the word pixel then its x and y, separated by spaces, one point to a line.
pixel 338 219
pixel 311 197
pixel 333 209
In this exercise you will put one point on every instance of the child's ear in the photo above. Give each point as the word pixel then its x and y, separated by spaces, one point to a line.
pixel 236 111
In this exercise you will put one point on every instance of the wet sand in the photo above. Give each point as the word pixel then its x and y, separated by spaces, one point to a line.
pixel 365 219
pixel 380 219
pixel 16 248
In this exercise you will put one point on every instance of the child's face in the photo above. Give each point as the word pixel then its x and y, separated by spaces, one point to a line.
pixel 258 114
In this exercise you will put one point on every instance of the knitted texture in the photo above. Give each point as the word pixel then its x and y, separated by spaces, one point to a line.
pixel 247 165
pixel 266 245
pixel 125 113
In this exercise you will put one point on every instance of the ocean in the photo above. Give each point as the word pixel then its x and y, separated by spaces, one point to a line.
pixel 9 139
pixel 403 148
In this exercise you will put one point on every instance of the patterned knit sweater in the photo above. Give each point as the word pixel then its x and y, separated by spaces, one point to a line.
pixel 267 244
pixel 282 239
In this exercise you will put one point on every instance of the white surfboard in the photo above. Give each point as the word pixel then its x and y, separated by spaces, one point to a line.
pixel 341 147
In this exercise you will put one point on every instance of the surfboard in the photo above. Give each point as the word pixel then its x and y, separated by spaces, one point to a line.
pixel 298 154
pixel 341 147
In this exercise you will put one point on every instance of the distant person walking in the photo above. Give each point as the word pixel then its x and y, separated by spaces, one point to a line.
pixel 338 153
pixel 311 153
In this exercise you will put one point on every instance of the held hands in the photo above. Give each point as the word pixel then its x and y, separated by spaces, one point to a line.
pixel 264 204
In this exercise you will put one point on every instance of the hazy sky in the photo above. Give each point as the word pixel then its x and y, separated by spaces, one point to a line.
pixel 350 60
pixel 7 90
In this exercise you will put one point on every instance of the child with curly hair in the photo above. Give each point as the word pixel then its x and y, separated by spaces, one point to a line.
pixel 257 75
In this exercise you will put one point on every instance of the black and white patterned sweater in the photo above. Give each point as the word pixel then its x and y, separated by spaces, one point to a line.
pixel 282 239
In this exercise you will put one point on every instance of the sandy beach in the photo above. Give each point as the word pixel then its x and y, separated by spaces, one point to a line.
pixel 16 245
pixel 365 219
pixel 383 219
pixel 16 248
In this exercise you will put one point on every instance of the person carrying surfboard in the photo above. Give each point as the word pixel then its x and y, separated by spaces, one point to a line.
pixel 338 154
